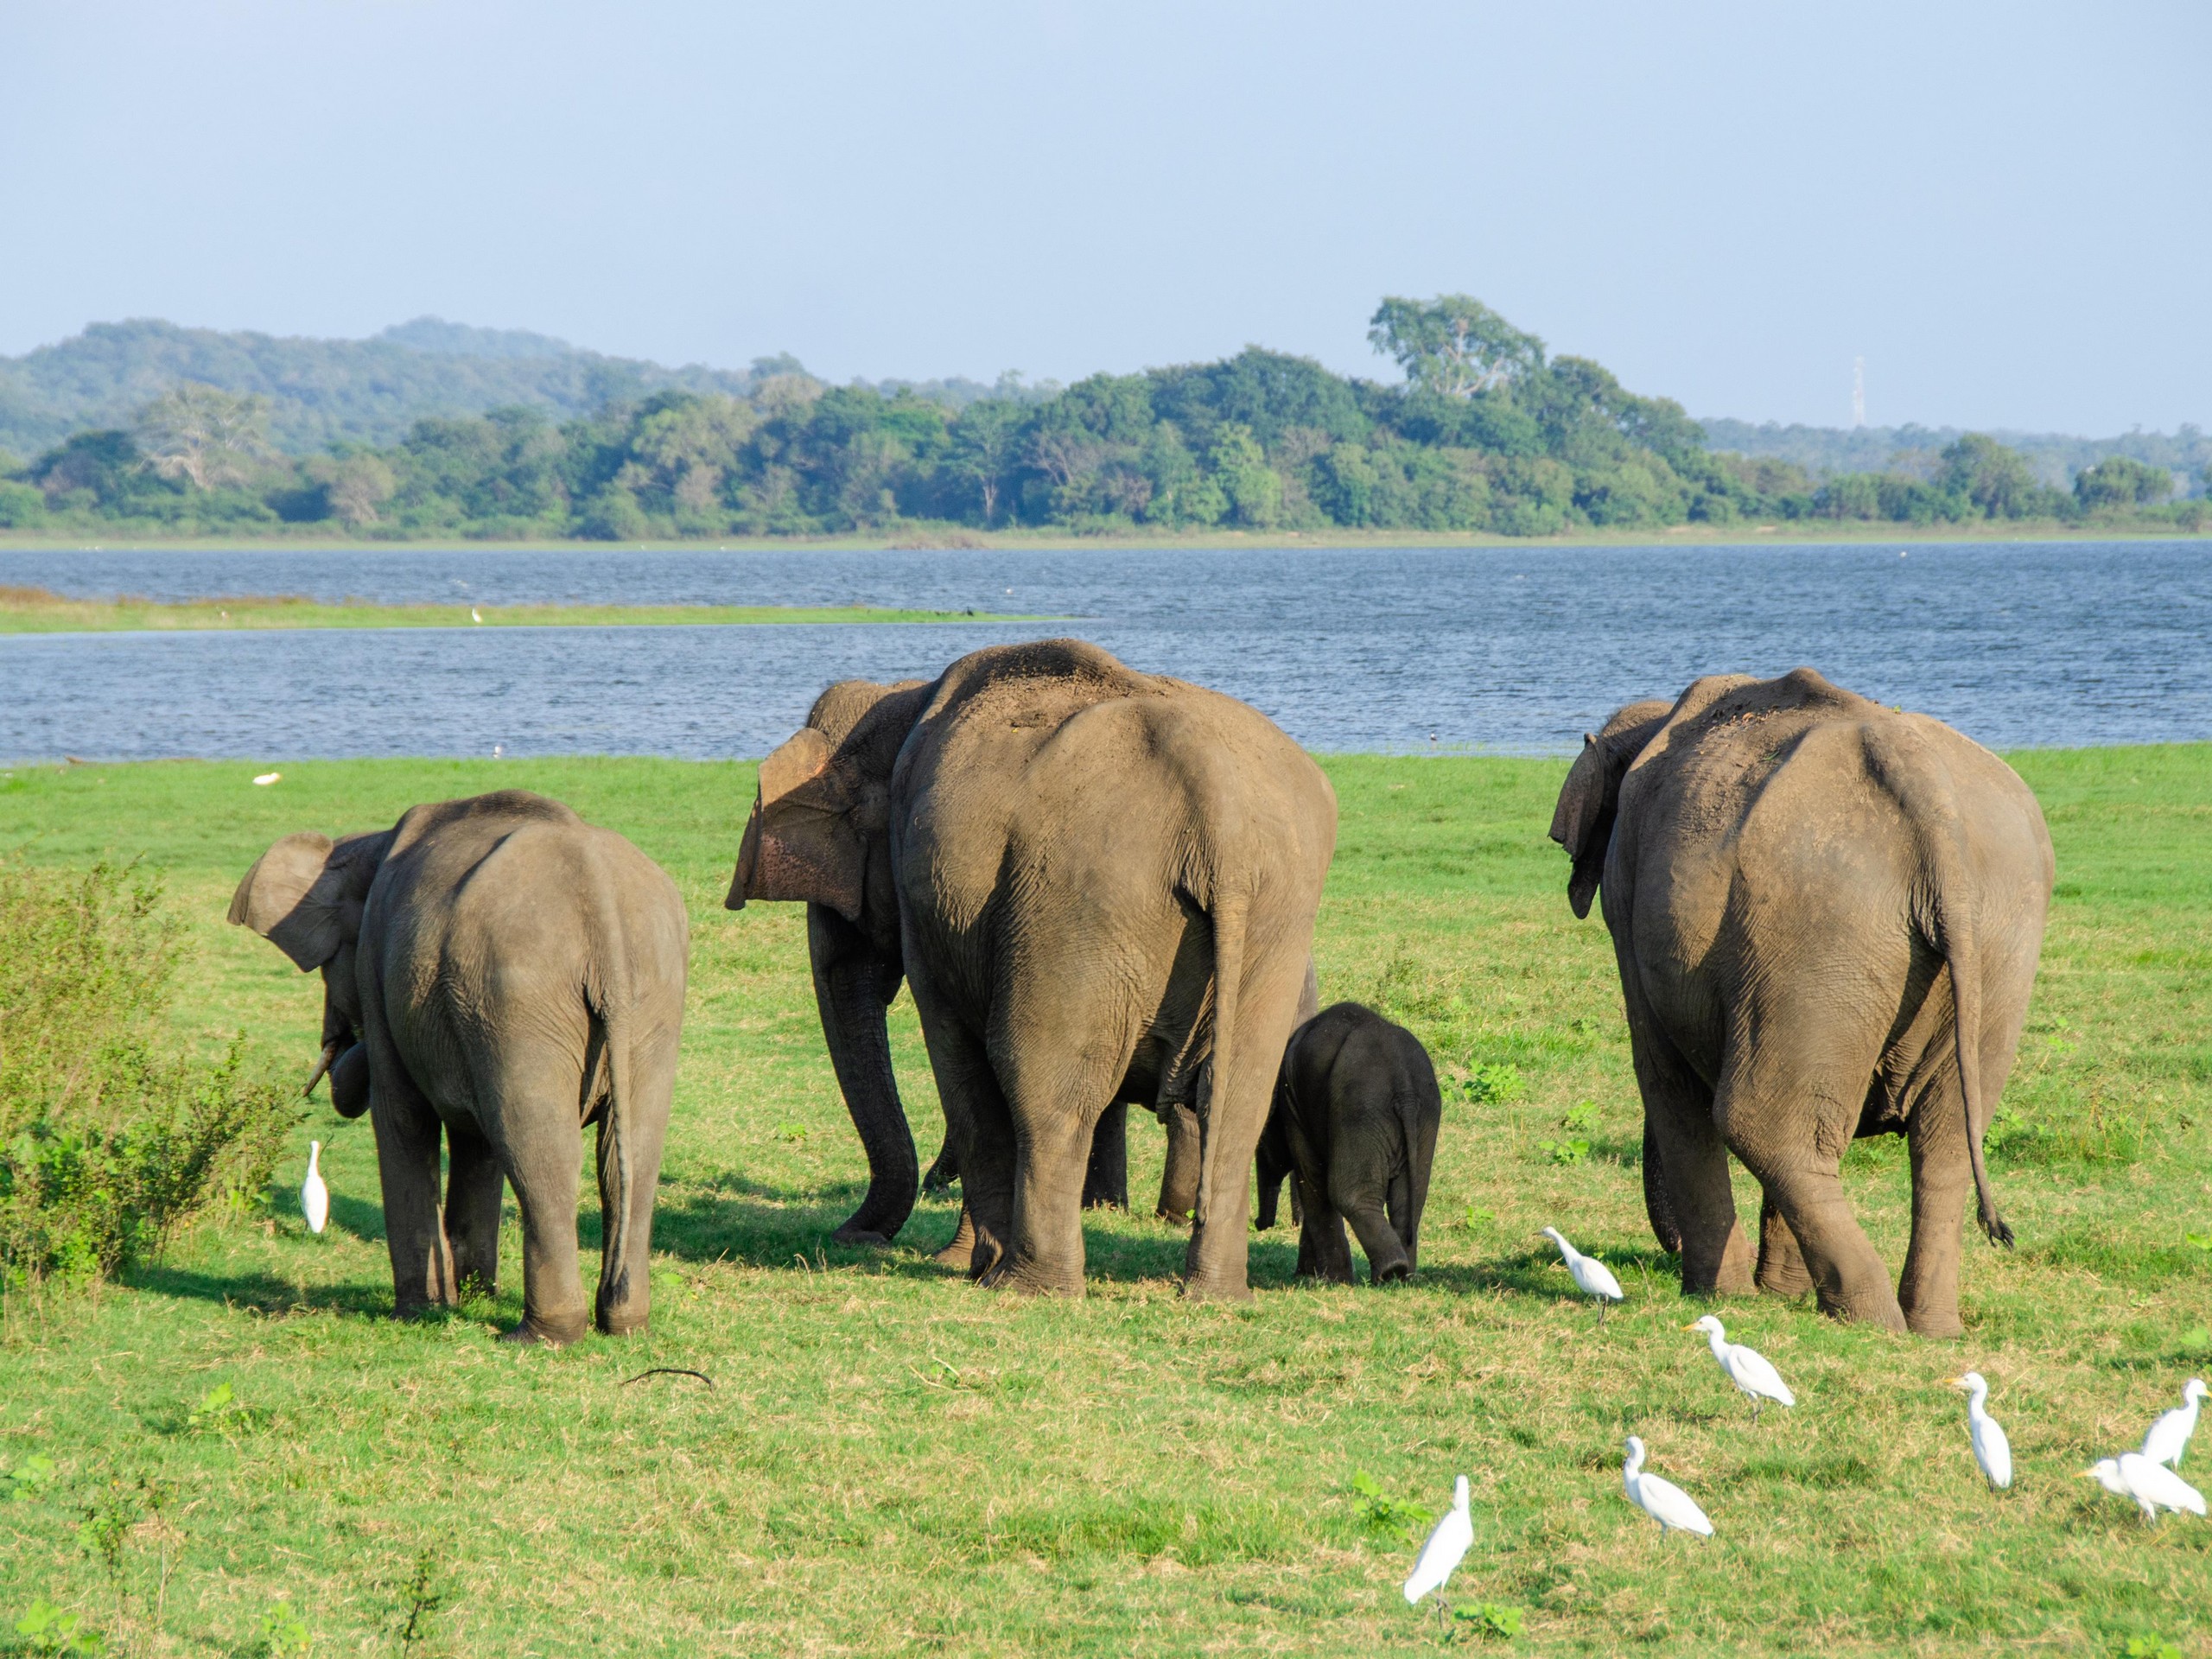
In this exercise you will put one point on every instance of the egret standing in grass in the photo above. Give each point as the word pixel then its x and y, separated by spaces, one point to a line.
pixel 1591 1277
pixel 2168 1436
pixel 2152 1485
pixel 1663 1501
pixel 1746 1367
pixel 1991 1449
pixel 1448 1541
pixel 314 1197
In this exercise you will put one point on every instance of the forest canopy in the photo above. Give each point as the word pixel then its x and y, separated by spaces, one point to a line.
pixel 1488 432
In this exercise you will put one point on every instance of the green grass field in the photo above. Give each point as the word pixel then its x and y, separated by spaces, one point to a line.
pixel 34 610
pixel 891 1459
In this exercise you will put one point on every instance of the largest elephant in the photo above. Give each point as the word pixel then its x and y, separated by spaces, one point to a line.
pixel 497 974
pixel 1101 887
pixel 1826 916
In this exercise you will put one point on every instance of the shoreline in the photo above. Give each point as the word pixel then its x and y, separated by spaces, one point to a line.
pixel 51 614
pixel 939 539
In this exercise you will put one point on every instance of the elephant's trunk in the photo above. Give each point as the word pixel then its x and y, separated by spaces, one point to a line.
pixel 853 984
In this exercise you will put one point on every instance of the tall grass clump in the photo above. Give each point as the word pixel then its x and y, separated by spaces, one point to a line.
pixel 112 1134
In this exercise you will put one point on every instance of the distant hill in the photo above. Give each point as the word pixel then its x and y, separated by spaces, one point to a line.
pixel 1828 451
pixel 371 391
pixel 368 391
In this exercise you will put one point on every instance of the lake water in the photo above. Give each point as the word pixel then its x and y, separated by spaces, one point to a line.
pixel 1514 650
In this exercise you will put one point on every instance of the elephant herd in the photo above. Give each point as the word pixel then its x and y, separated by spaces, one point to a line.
pixel 1099 887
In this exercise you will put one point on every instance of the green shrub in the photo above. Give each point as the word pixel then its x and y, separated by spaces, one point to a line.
pixel 113 1135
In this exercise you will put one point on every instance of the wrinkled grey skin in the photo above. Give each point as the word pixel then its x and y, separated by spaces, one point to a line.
pixel 498 971
pixel 1100 885
pixel 1827 917
pixel 1354 1128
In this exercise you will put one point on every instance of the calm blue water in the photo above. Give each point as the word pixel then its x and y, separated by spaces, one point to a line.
pixel 1513 649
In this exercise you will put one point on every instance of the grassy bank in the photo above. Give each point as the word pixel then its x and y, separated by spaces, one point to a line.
pixel 35 610
pixel 890 1459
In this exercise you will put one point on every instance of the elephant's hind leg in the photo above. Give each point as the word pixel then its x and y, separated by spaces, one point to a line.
pixel 631 1137
pixel 408 1135
pixel 1942 1179
pixel 1790 1127
pixel 533 1121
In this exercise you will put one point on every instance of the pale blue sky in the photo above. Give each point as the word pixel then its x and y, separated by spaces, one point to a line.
pixel 2004 207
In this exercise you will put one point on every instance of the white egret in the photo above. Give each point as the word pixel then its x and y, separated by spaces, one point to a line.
pixel 2152 1485
pixel 1746 1367
pixel 2168 1436
pixel 1591 1277
pixel 314 1197
pixel 1664 1501
pixel 475 615
pixel 268 777
pixel 1991 1449
pixel 1448 1541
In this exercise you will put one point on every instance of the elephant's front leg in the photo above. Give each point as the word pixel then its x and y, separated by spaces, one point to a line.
pixel 1692 1161
pixel 1106 1180
pixel 1178 1179
pixel 1782 1269
pixel 475 1183
pixel 408 1135
pixel 978 1133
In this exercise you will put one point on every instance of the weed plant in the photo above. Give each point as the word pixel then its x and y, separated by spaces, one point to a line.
pixel 113 1135
pixel 890 1459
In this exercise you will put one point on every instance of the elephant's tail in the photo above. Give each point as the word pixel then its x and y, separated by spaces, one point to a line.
pixel 1229 918
pixel 611 1001
pixel 1944 911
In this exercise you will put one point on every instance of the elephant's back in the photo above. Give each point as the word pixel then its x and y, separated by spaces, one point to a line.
pixel 497 913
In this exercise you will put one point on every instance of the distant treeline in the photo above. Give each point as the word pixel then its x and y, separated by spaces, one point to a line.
pixel 1487 434
pixel 2055 458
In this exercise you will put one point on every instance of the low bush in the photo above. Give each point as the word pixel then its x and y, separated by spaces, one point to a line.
pixel 113 1135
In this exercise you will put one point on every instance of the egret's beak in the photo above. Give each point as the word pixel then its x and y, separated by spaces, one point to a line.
pixel 329 1054
pixel 2086 1474
pixel 1955 1381
pixel 1692 1325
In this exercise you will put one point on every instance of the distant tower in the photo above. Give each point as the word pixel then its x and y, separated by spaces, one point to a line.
pixel 1858 391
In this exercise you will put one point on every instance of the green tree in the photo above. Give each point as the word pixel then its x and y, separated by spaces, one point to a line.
pixel 1453 344
pixel 1993 478
pixel 1253 488
pixel 2120 482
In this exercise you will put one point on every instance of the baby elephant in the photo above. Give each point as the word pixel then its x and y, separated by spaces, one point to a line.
pixel 1354 1124
pixel 496 973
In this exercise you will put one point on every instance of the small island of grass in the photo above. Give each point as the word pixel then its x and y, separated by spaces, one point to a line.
pixel 37 610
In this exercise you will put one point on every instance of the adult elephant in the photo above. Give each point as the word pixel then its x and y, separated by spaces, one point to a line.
pixel 1826 916
pixel 1101 887
pixel 497 971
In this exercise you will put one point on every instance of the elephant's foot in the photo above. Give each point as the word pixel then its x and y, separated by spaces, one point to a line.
pixel 1866 1307
pixel 1201 1288
pixel 1172 1218
pixel 1935 1316
pixel 865 1236
pixel 1032 1280
pixel 621 1321
pixel 1391 1273
pixel 548 1333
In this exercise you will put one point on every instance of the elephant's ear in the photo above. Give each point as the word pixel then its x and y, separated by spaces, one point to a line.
pixel 300 895
pixel 277 899
pixel 1583 821
pixel 803 841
